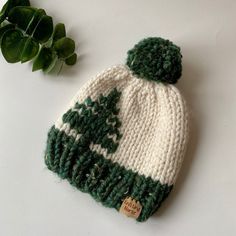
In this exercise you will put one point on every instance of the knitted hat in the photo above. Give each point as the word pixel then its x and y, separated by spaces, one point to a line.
pixel 124 135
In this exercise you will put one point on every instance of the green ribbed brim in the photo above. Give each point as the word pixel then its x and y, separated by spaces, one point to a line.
pixel 106 181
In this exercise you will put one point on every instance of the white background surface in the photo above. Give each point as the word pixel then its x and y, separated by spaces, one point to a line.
pixel 33 201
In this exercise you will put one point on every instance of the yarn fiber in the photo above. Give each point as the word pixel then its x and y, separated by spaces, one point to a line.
pixel 121 136
pixel 156 59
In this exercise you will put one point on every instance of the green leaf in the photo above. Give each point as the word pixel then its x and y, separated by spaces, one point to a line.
pixel 30 49
pixel 59 32
pixel 71 60
pixel 9 5
pixel 22 16
pixel 33 24
pixel 45 59
pixel 14 3
pixel 4 29
pixel 52 63
pixel 12 45
pixel 30 20
pixel 64 47
pixel 3 12
pixel 44 29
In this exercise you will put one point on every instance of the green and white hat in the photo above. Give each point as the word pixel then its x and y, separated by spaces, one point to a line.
pixel 124 135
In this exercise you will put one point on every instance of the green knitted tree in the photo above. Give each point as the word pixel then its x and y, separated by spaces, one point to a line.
pixel 96 122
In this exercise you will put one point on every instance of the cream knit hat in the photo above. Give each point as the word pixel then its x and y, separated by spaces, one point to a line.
pixel 124 135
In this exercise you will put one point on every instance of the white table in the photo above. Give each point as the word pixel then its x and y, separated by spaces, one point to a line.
pixel 34 202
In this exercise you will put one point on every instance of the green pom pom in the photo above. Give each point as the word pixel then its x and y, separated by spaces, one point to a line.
pixel 156 59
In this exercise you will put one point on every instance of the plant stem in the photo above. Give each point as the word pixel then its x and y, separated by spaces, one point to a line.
pixel 31 21
pixel 60 69
pixel 35 28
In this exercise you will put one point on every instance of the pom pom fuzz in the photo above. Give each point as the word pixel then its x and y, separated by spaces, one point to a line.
pixel 156 59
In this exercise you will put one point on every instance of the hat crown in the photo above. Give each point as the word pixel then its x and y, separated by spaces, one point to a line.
pixel 153 123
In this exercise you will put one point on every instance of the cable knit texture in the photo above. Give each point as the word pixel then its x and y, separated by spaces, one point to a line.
pixel 121 136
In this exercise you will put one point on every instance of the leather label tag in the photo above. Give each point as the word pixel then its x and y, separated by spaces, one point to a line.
pixel 131 208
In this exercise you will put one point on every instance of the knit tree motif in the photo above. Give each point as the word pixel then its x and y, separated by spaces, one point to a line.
pixel 96 121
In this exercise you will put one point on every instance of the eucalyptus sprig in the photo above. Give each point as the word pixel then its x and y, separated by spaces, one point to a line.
pixel 27 33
